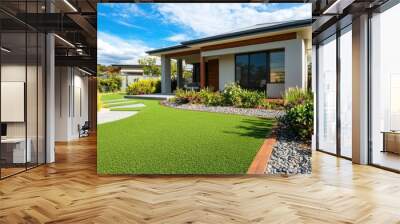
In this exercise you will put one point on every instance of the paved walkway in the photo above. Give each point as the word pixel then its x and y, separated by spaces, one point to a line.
pixel 105 115
pixel 157 96
pixel 129 106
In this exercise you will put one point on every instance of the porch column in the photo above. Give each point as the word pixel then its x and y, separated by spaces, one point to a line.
pixel 165 75
pixel 202 72
pixel 179 75
pixel 360 90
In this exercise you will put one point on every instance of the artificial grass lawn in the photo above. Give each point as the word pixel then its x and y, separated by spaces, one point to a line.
pixel 163 140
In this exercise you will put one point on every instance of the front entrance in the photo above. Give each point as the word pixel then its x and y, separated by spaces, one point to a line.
pixel 212 74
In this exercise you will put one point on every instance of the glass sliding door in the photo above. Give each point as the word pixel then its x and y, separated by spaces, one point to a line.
pixel 22 101
pixel 14 145
pixel 327 95
pixel 346 92
pixel 385 89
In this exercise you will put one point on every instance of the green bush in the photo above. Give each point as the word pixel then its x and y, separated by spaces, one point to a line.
pixel 299 114
pixel 210 98
pixel 295 96
pixel 111 84
pixel 232 94
pixel 250 99
pixel 144 86
pixel 273 104
pixel 187 96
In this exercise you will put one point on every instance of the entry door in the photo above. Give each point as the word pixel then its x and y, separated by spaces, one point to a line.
pixel 213 74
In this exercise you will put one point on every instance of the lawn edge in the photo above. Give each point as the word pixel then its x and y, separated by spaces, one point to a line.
pixel 260 161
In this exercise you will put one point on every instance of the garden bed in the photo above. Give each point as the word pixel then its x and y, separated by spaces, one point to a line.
pixel 289 156
pixel 254 112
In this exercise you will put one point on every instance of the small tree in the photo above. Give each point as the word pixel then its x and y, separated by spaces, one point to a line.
pixel 149 66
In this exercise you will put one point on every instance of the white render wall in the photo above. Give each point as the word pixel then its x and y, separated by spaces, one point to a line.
pixel 226 70
pixel 295 63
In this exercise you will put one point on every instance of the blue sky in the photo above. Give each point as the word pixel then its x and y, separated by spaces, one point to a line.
pixel 127 30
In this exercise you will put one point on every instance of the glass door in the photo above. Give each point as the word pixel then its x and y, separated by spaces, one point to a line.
pixel 345 43
pixel 327 95
pixel 385 89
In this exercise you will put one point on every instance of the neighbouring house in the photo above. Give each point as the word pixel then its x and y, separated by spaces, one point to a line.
pixel 131 73
pixel 270 57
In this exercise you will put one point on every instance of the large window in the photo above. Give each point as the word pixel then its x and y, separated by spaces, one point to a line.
pixel 385 89
pixel 277 67
pixel 256 70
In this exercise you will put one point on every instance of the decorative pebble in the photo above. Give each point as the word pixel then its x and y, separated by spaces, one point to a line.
pixel 264 113
pixel 289 156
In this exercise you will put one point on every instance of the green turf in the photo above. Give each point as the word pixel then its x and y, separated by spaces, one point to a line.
pixel 162 140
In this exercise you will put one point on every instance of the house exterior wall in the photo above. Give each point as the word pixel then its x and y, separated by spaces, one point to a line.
pixel 295 63
pixel 226 70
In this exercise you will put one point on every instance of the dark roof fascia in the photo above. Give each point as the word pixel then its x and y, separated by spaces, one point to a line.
pixel 127 66
pixel 176 47
pixel 288 25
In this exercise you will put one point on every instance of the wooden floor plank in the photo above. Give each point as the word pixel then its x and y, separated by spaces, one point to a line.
pixel 70 191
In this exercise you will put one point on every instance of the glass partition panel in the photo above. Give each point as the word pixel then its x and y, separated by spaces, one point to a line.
pixel 14 153
pixel 327 95
pixel 346 92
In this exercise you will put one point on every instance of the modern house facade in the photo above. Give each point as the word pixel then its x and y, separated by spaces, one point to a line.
pixel 270 57
pixel 357 82
pixel 48 84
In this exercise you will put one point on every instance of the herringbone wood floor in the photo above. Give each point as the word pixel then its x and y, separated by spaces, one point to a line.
pixel 69 191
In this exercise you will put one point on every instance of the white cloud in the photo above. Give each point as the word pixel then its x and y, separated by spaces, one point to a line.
pixel 129 24
pixel 177 38
pixel 210 19
pixel 115 50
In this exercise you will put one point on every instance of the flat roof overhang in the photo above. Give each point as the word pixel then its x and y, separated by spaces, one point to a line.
pixel 176 48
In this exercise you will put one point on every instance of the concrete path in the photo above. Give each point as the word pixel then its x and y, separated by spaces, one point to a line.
pixel 156 96
pixel 129 106
pixel 105 115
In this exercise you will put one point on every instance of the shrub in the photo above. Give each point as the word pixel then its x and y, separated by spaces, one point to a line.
pixel 295 96
pixel 99 102
pixel 210 98
pixel 298 118
pixel 111 84
pixel 273 104
pixel 232 94
pixel 187 96
pixel 144 86
pixel 250 99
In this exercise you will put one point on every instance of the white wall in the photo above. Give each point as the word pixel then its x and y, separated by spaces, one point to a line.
pixel 295 61
pixel 226 70
pixel 71 87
